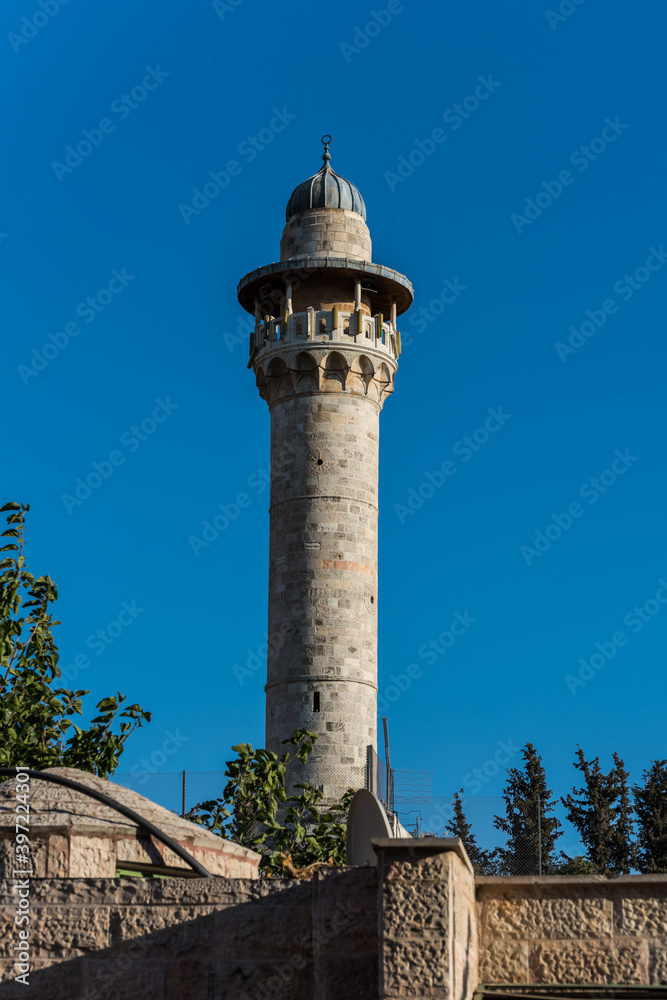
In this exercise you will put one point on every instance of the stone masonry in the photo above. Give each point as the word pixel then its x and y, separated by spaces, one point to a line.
pixel 324 353
pixel 417 927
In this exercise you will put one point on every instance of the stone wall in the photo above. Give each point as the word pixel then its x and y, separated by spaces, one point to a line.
pixel 196 939
pixel 428 932
pixel 573 929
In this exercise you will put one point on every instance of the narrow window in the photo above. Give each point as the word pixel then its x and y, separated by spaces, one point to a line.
pixel 299 328
pixel 323 326
pixel 316 701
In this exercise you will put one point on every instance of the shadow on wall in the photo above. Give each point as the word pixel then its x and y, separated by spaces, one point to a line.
pixel 197 939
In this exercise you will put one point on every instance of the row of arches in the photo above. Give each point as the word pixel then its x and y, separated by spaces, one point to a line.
pixel 304 372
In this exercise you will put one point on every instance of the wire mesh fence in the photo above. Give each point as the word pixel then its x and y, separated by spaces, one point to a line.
pixel 178 791
pixel 527 848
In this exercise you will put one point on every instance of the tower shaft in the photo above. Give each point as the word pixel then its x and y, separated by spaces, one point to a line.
pixel 324 352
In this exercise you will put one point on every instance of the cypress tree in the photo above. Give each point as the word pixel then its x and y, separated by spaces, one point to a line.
pixel 651 809
pixel 528 804
pixel 482 861
pixel 601 812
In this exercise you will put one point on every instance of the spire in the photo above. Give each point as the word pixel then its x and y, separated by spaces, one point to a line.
pixel 326 156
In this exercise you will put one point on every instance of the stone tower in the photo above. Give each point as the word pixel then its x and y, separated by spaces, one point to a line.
pixel 324 352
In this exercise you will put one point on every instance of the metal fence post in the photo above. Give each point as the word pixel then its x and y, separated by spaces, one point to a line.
pixel 183 797
pixel 539 834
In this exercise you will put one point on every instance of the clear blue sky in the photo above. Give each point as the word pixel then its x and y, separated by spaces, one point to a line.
pixel 547 90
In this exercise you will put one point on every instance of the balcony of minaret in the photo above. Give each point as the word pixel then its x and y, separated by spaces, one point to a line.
pixel 324 326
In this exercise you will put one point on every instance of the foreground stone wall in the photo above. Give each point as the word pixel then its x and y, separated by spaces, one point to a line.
pixel 196 939
pixel 573 929
pixel 428 932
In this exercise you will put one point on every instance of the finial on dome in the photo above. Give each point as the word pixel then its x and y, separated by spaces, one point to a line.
pixel 326 156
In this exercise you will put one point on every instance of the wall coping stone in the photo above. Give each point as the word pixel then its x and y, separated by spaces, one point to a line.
pixel 423 845
pixel 657 878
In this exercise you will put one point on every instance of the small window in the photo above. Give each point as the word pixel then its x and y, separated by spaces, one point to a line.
pixel 323 326
pixel 299 328
pixel 346 328
pixel 316 701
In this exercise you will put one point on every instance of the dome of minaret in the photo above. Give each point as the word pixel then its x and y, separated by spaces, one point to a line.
pixel 325 189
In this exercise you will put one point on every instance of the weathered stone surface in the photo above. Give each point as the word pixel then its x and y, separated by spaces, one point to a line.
pixel 245 980
pixel 122 976
pixel 413 967
pixel 647 916
pixel 547 918
pixel 89 857
pixel 407 909
pixel 504 962
pixel 48 980
pixel 354 977
pixel 82 833
pixel 263 932
pixel 589 962
pixel 57 930
pixel 399 864
pixel 657 962
pixel 178 930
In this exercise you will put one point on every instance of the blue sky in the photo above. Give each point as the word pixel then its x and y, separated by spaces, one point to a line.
pixel 540 199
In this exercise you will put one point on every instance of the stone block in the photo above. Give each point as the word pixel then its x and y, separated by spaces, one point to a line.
pixel 657 962
pixel 589 962
pixel 354 977
pixel 547 918
pixel 407 909
pixel 504 962
pixel 160 930
pixel 415 967
pixel 56 854
pixel 246 980
pixel 49 980
pixel 645 916
pixel 89 857
pixel 120 976
pixel 263 932
pixel 58 931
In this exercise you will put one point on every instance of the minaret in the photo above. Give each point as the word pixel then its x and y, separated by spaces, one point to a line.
pixel 324 352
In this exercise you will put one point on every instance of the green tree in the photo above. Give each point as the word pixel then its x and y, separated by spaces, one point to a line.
pixel 483 862
pixel 527 821
pixel 36 717
pixel 261 809
pixel 651 809
pixel 601 812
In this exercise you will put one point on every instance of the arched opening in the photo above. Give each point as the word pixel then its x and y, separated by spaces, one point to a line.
pixel 335 371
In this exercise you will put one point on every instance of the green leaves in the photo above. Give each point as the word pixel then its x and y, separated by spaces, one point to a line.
pixel 260 811
pixel 36 725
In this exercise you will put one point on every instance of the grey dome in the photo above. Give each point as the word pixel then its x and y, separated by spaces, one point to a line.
pixel 325 189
